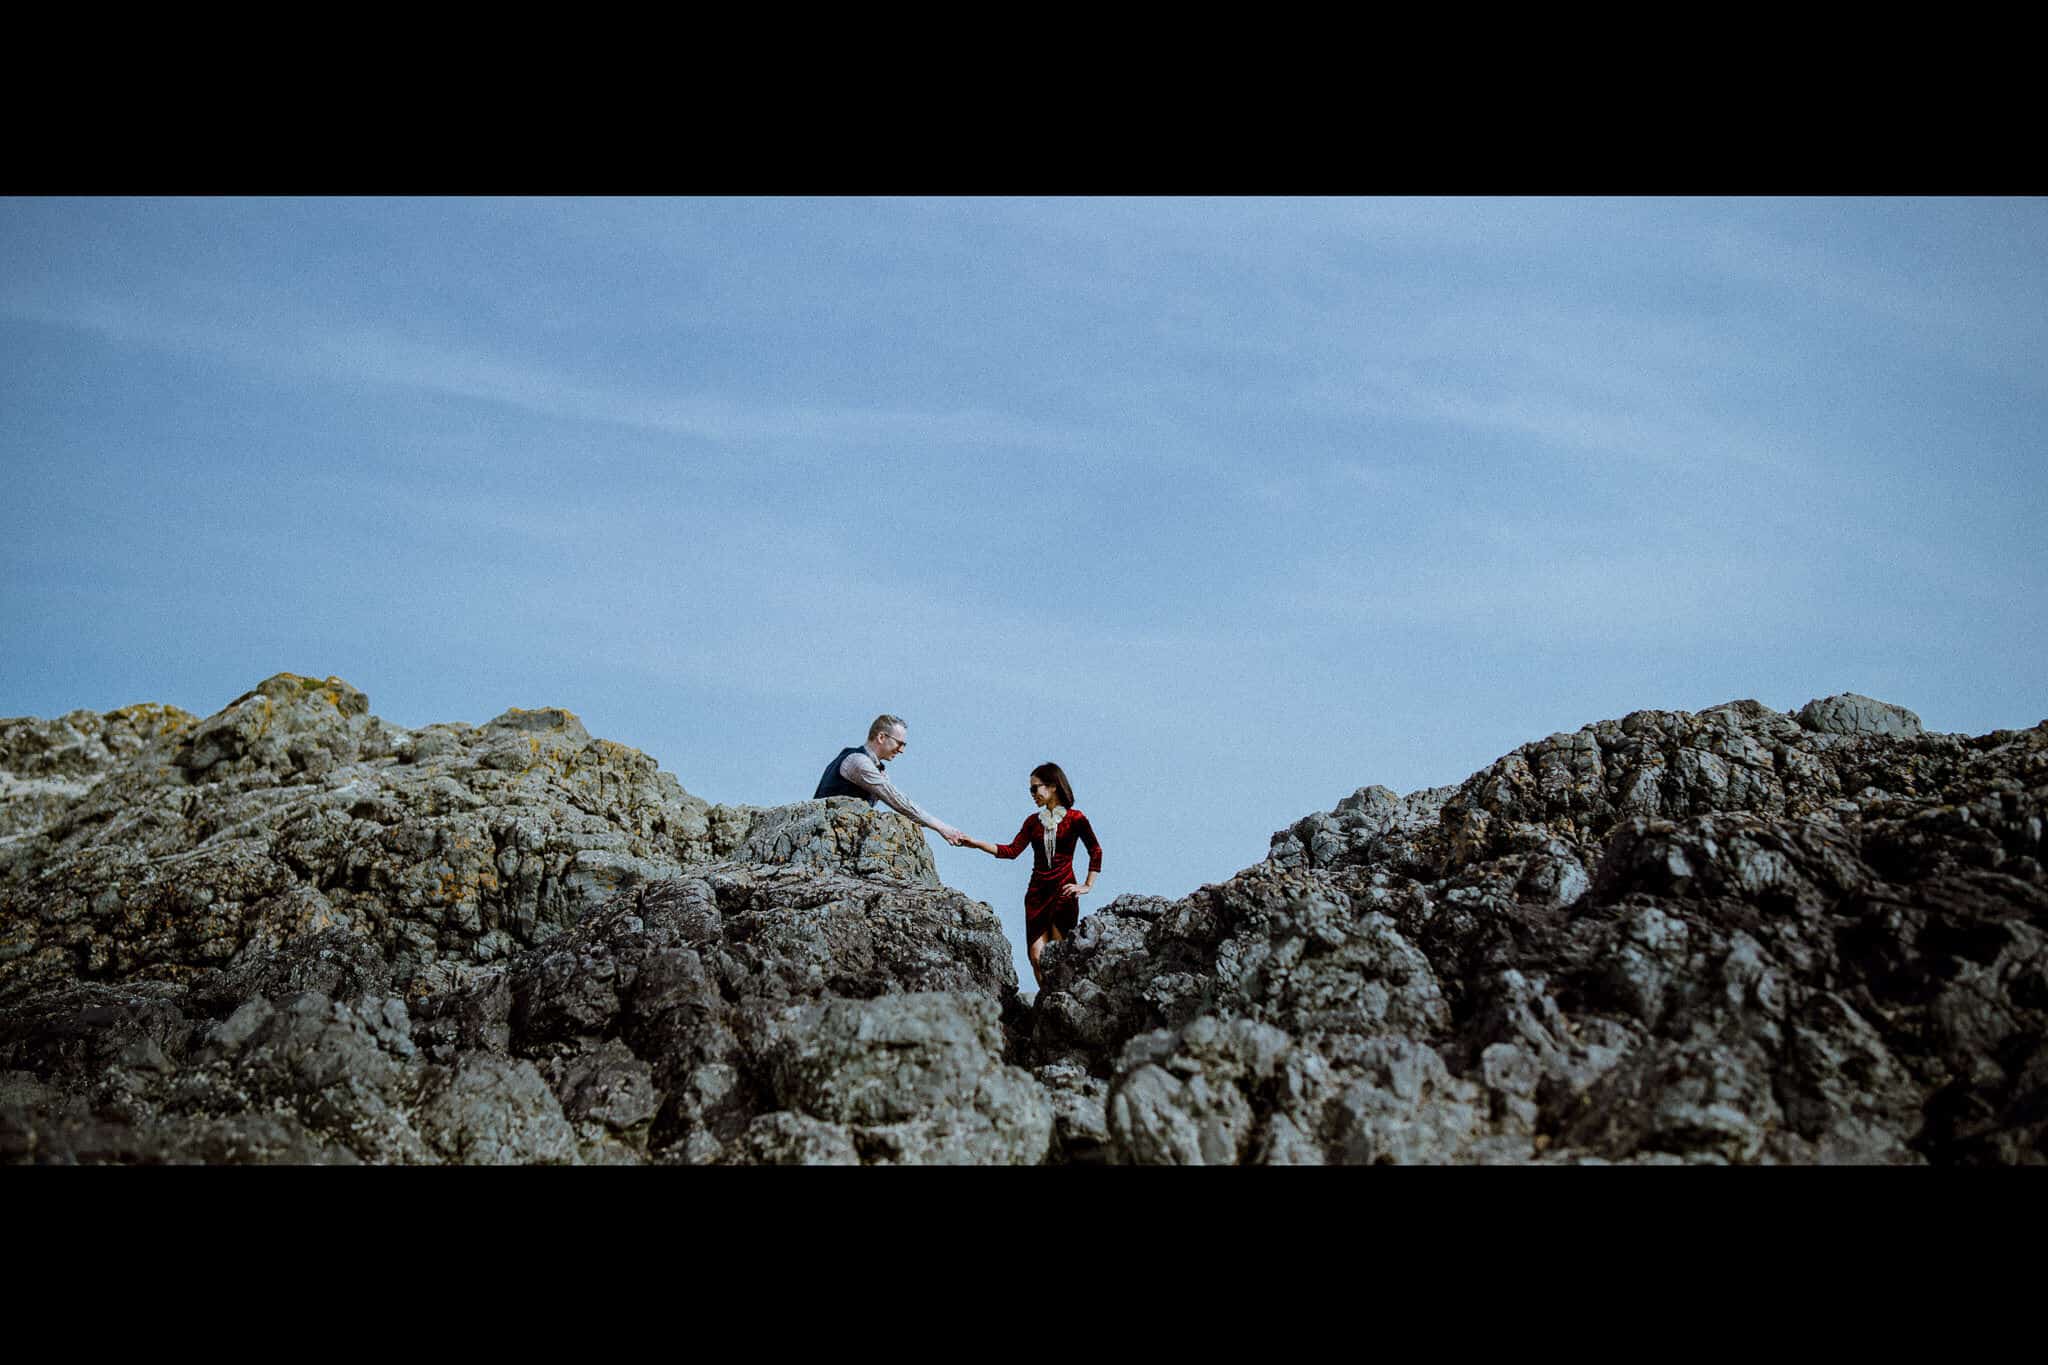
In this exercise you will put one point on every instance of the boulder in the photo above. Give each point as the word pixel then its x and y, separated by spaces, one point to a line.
pixel 1734 936
pixel 293 811
pixel 291 932
pixel 1850 714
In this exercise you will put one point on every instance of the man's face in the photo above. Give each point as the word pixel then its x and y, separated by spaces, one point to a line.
pixel 891 742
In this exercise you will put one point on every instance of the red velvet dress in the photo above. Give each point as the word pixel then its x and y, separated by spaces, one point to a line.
pixel 1044 906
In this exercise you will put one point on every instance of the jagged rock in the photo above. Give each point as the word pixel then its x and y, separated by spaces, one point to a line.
pixel 307 1080
pixel 1850 714
pixel 784 1138
pixel 1732 936
pixel 837 834
pixel 264 879
pixel 494 1111
pixel 1080 1114
pixel 914 1079
pixel 1181 1098
pixel 342 1068
pixel 45 765
pixel 1370 824
pixel 1725 937
pixel 697 979
pixel 294 811
pixel 609 1095
pixel 47 1126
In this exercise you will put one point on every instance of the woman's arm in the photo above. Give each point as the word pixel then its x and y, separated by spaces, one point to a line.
pixel 1087 833
pixel 1018 844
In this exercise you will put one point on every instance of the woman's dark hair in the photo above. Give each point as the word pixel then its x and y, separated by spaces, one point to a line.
pixel 1050 772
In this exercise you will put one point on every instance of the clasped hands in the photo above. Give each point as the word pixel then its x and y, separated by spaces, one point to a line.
pixel 964 841
pixel 959 840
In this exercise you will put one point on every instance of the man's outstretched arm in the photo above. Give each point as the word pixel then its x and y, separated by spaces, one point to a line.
pixel 859 769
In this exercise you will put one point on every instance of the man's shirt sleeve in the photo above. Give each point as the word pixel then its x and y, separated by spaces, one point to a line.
pixel 862 771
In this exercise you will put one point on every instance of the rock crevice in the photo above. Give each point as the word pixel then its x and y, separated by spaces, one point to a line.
pixel 292 931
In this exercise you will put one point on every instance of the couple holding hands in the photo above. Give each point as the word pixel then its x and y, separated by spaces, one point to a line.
pixel 1052 902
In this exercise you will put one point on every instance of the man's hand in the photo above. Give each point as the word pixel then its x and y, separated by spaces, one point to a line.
pixel 956 839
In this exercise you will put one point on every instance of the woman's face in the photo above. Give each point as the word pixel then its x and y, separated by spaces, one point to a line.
pixel 1044 793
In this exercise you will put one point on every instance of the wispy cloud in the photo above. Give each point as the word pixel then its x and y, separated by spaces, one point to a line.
pixel 385 358
pixel 356 355
pixel 1611 424
pixel 1977 302
pixel 1589 594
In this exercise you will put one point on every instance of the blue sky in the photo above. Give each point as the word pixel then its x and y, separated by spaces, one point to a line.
pixel 1229 506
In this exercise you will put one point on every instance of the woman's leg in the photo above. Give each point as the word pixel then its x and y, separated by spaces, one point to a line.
pixel 1037 946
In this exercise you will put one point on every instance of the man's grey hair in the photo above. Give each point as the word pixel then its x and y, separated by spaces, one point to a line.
pixel 883 723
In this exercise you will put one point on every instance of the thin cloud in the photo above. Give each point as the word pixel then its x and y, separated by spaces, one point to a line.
pixel 360 355
pixel 1594 594
pixel 1984 309
pixel 1560 421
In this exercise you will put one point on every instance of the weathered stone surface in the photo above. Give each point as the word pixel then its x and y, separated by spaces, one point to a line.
pixel 1080 1114
pixel 1188 1098
pixel 495 1111
pixel 205 926
pixel 1731 936
pixel 293 811
pixel 1736 936
pixel 1850 714
pixel 834 835
pixel 915 1079
pixel 691 1009
pixel 45 765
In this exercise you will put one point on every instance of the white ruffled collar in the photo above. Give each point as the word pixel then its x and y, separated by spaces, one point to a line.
pixel 1050 817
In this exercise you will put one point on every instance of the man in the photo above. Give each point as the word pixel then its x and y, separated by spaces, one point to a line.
pixel 857 772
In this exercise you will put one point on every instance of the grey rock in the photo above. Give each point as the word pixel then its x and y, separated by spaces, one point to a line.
pixel 1401 1106
pixel 607 1085
pixel 1673 938
pixel 46 765
pixel 1848 713
pixel 1080 1113
pixel 291 932
pixel 917 1079
pixel 293 812
pixel 1181 1098
pixel 493 1111
pixel 783 1138
pixel 836 834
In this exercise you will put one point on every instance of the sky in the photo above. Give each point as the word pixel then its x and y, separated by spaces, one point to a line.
pixel 1229 506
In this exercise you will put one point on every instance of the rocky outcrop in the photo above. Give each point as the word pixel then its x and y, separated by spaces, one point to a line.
pixel 45 765
pixel 293 932
pixel 1731 936
pixel 701 1018
pixel 723 1002
pixel 188 844
pixel 665 1024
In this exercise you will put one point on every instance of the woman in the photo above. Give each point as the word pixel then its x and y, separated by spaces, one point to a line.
pixel 1052 903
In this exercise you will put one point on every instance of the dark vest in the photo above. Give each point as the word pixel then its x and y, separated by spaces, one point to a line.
pixel 832 784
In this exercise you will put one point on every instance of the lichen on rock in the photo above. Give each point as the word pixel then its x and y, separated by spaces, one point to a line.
pixel 294 932
pixel 293 810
